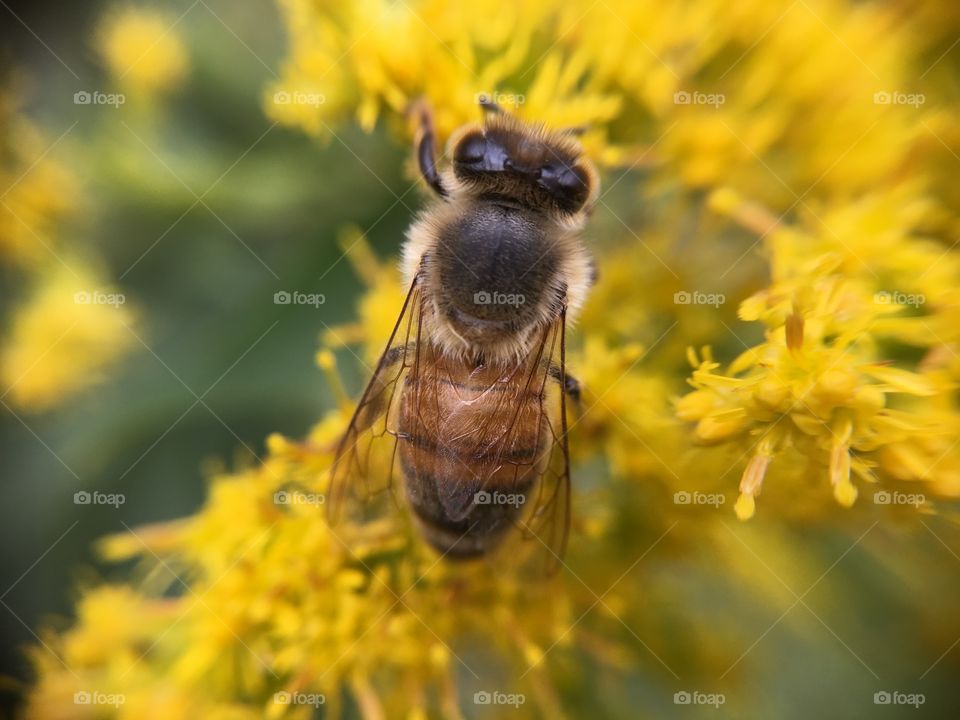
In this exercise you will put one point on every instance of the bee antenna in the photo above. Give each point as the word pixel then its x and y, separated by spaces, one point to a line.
pixel 425 146
pixel 488 104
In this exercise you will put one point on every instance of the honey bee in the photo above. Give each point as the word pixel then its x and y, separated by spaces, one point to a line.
pixel 470 392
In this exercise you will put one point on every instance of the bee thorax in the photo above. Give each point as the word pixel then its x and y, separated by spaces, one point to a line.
pixel 495 269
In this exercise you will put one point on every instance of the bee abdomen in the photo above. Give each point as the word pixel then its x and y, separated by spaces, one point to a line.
pixel 468 454
pixel 467 480
pixel 461 523
pixel 471 441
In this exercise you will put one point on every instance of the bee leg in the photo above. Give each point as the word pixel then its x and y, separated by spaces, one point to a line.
pixel 369 412
pixel 427 152
pixel 594 272
pixel 571 386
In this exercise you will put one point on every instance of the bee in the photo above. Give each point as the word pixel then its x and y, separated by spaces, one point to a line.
pixel 470 393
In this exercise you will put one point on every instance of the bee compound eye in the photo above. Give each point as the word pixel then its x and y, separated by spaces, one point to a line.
pixel 568 185
pixel 471 150
pixel 561 177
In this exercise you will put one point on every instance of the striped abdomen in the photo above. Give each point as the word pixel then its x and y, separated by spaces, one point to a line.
pixel 472 445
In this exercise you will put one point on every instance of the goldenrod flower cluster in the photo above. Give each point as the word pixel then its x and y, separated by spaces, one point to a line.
pixel 826 383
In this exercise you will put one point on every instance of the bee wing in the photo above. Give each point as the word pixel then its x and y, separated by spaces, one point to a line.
pixel 365 458
pixel 548 521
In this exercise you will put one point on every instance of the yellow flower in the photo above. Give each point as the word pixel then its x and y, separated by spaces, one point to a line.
pixel 821 383
pixel 141 49
pixel 370 58
pixel 64 336
pixel 37 191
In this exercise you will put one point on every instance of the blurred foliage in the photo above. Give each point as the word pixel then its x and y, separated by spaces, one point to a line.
pixel 777 310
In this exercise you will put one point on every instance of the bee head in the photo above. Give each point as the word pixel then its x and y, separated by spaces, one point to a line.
pixel 508 158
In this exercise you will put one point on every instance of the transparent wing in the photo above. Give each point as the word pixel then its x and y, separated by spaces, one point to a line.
pixel 548 522
pixel 364 463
